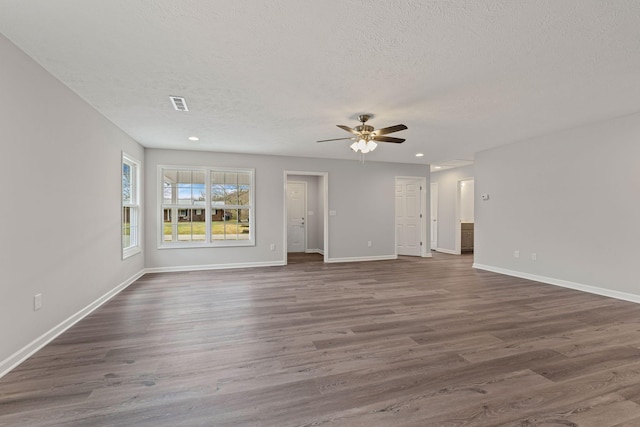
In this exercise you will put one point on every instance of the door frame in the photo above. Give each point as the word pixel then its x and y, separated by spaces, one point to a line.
pixel 325 197
pixel 305 219
pixel 458 231
pixel 433 195
pixel 424 232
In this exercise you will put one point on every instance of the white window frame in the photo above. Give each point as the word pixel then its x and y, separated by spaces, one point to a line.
pixel 135 217
pixel 209 242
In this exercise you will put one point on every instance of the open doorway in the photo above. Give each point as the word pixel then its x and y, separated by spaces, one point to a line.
pixel 465 216
pixel 306 235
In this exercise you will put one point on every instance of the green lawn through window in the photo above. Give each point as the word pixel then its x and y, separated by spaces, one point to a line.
pixel 217 227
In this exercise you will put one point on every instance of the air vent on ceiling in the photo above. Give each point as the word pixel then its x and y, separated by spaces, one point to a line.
pixel 179 103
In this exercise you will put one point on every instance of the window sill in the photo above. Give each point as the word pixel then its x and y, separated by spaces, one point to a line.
pixel 129 252
pixel 192 245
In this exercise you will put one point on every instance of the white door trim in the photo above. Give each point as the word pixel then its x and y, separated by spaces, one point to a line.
pixel 325 197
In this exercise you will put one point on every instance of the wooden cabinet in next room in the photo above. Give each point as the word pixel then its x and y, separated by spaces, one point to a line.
pixel 466 244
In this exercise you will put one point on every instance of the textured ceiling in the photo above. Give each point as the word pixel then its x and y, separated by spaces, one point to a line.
pixel 274 76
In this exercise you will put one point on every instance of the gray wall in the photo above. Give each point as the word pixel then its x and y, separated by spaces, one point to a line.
pixel 60 168
pixel 447 194
pixel 571 198
pixel 361 194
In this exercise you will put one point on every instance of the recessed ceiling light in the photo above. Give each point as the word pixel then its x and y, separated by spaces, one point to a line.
pixel 419 154
pixel 194 138
pixel 437 167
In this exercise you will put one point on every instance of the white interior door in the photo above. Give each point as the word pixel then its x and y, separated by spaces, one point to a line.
pixel 434 215
pixel 408 204
pixel 296 212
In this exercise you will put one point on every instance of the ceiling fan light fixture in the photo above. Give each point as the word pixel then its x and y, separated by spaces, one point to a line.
pixel 363 146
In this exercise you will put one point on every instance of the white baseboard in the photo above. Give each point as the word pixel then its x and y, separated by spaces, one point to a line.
pixel 314 251
pixel 422 255
pixel 447 251
pixel 27 351
pixel 213 266
pixel 563 283
pixel 363 258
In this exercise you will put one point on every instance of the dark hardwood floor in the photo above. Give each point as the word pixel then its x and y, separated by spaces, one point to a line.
pixel 409 342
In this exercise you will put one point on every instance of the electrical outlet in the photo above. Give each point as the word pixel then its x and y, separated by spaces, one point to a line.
pixel 369 243
pixel 534 256
pixel 37 302
pixel 273 247
pixel 516 254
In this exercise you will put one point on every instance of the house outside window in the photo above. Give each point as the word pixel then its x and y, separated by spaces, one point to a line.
pixel 206 207
pixel 130 206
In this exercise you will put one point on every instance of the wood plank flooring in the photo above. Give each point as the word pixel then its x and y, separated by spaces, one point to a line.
pixel 408 342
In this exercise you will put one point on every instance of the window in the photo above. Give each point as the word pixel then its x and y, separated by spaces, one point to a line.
pixel 130 206
pixel 206 207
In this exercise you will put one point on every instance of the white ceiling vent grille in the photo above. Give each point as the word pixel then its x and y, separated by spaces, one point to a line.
pixel 179 103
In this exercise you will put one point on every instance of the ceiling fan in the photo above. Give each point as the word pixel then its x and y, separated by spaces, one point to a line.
pixel 366 137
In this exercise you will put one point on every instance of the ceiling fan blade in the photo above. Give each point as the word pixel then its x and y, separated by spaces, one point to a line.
pixel 335 139
pixel 388 139
pixel 390 129
pixel 348 129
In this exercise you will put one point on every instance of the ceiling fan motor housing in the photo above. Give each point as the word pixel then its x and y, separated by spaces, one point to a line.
pixel 364 129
